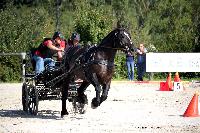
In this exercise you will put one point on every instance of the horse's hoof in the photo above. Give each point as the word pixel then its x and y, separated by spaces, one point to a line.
pixel 93 107
pixel 63 113
pixel 95 103
pixel 82 108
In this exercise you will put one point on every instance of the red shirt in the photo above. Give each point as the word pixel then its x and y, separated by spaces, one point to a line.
pixel 62 44
pixel 45 44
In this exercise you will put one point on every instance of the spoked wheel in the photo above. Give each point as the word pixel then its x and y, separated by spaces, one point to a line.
pixel 74 105
pixel 24 97
pixel 33 100
pixel 30 99
pixel 82 104
pixel 79 106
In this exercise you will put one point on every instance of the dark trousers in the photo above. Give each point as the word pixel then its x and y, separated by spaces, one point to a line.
pixel 141 69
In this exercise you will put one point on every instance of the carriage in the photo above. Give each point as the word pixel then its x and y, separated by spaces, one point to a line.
pixel 93 65
pixel 36 88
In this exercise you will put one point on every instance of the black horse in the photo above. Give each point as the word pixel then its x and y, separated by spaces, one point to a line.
pixel 94 66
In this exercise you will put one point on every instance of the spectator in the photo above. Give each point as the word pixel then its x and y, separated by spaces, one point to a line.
pixel 141 61
pixel 130 65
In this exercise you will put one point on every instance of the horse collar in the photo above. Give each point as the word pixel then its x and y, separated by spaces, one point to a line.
pixel 108 63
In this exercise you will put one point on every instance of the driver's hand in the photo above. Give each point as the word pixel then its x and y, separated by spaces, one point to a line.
pixel 61 50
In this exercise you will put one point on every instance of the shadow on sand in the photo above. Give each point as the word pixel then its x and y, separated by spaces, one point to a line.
pixel 43 114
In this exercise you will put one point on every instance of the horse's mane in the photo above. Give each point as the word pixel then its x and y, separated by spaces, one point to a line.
pixel 110 35
pixel 105 40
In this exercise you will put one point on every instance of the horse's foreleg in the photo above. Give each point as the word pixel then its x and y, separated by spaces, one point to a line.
pixel 104 95
pixel 64 98
pixel 96 100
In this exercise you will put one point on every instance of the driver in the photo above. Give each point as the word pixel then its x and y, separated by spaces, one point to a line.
pixel 44 53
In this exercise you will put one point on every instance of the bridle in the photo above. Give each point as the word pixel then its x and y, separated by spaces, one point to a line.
pixel 117 39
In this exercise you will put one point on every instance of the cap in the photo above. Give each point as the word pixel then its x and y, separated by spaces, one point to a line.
pixel 57 34
pixel 75 36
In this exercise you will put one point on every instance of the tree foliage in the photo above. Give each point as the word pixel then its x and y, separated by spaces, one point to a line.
pixel 21 29
pixel 171 27
pixel 93 24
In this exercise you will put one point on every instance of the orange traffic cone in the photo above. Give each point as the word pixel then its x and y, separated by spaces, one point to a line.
pixel 169 82
pixel 177 86
pixel 192 109
pixel 166 86
pixel 176 78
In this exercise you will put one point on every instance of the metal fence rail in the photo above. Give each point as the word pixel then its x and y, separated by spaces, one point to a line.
pixel 22 55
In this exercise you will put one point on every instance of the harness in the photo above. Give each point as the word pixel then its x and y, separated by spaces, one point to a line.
pixel 87 58
pixel 107 63
pixel 83 61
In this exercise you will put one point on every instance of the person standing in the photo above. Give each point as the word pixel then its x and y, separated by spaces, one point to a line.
pixel 130 65
pixel 141 61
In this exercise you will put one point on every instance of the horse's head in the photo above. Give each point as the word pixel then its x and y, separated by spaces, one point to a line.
pixel 123 40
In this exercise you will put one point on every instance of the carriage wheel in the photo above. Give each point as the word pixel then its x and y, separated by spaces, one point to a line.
pixel 33 100
pixel 24 97
pixel 74 105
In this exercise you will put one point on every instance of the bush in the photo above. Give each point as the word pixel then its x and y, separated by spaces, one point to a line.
pixel 93 24
pixel 21 29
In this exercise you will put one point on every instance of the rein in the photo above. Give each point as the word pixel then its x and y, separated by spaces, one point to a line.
pixel 111 48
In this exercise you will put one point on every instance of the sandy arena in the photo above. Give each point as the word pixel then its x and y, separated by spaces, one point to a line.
pixel 131 107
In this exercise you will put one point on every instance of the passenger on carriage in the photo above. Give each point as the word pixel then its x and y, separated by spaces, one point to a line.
pixel 73 41
pixel 44 53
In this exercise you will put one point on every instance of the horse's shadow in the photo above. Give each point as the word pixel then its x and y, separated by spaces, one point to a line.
pixel 43 114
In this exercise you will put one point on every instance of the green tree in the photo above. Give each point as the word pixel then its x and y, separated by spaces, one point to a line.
pixel 93 23
pixel 20 29
pixel 171 27
pixel 196 20
pixel 121 11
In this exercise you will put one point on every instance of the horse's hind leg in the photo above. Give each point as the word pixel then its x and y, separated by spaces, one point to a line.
pixel 64 90
pixel 104 95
